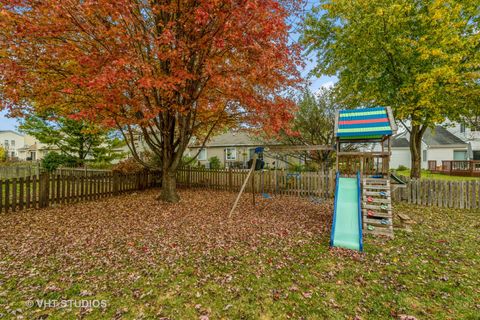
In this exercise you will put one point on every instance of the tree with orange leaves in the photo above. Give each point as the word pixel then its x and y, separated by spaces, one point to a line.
pixel 168 70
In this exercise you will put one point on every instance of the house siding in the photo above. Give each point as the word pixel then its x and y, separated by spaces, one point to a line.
pixel 243 155
pixel 19 142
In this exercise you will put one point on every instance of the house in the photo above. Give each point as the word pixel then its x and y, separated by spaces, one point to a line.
pixel 469 134
pixel 437 144
pixel 33 151
pixel 234 149
pixel 22 147
pixel 11 141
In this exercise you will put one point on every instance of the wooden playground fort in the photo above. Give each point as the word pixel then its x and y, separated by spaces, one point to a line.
pixel 363 202
pixel 363 187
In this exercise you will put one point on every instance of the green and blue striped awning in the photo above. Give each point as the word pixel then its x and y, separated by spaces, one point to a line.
pixel 370 123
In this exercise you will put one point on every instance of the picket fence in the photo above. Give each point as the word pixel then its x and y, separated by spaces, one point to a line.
pixel 45 190
pixel 280 182
pixel 440 193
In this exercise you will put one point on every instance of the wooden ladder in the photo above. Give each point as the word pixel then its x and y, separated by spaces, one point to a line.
pixel 377 213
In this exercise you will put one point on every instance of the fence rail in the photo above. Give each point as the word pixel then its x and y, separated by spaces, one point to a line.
pixel 269 181
pixel 21 170
pixel 440 193
pixel 42 191
pixel 78 172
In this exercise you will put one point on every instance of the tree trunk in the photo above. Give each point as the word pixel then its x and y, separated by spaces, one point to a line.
pixel 169 186
pixel 416 151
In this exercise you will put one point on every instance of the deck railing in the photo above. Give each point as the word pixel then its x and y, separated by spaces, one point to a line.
pixel 467 168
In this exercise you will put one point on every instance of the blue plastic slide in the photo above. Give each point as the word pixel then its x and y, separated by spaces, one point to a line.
pixel 347 216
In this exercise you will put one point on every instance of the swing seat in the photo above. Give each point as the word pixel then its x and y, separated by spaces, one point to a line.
pixel 266 196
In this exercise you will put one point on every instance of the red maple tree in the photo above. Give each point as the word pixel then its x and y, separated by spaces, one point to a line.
pixel 168 70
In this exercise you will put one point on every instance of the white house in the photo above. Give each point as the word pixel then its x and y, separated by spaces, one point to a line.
pixel 22 147
pixel 11 141
pixel 470 135
pixel 437 144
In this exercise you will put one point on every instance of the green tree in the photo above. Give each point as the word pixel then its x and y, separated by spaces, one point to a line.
pixel 415 56
pixel 77 139
pixel 314 124
pixel 54 159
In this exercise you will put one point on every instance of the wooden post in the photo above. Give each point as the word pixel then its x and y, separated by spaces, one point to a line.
pixel 253 184
pixel 7 195
pixel 244 184
pixel 115 183
pixel 230 179
pixel 44 190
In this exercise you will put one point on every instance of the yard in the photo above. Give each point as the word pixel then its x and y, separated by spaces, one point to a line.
pixel 147 259
pixel 437 176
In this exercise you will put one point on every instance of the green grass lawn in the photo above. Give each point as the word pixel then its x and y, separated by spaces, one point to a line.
pixel 188 261
pixel 437 176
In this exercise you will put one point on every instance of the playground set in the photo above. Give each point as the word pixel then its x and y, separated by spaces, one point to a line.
pixel 363 202
pixel 364 184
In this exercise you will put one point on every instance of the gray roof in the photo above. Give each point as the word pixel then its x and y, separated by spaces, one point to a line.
pixel 400 142
pixel 441 137
pixel 437 137
pixel 231 139
pixel 12 131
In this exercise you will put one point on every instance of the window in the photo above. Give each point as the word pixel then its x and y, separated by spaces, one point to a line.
pixel 459 155
pixel 462 128
pixel 6 144
pixel 231 154
pixel 202 156
pixel 424 156
pixel 476 155
pixel 12 143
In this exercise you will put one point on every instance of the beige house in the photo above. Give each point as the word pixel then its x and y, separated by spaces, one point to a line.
pixel 234 149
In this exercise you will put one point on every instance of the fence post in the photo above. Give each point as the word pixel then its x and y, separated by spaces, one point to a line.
pixel 44 190
pixel 115 183
pixel 230 179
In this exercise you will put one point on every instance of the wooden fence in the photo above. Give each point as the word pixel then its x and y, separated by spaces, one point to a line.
pixel 440 193
pixel 269 181
pixel 42 191
pixel 47 189
pixel 78 172
pixel 20 170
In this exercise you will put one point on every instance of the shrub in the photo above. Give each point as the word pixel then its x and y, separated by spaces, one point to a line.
pixel 214 163
pixel 3 154
pixel 129 165
pixel 54 159
pixel 402 168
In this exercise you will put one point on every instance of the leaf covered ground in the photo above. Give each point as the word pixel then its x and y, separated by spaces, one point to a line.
pixel 150 260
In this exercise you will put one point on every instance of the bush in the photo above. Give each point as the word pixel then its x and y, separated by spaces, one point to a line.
pixel 214 163
pixel 129 165
pixel 402 168
pixel 54 159
pixel 3 154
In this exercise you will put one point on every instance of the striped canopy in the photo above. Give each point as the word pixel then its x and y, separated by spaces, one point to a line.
pixel 370 123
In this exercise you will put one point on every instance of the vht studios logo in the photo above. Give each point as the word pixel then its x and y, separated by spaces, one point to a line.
pixel 59 304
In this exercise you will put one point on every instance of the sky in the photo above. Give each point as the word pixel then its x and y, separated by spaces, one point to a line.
pixel 315 83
